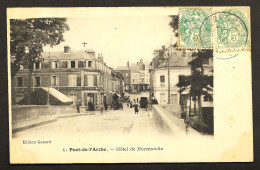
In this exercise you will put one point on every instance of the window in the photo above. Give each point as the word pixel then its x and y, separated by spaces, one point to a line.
pixel 37 81
pixel 90 80
pixel 72 80
pixel 126 74
pixel 64 64
pixel 78 81
pixel 55 64
pixel 205 60
pixel 82 64
pixel 89 63
pixel 174 99
pixel 162 80
pixel 183 99
pixel 55 81
pixel 37 65
pixel 181 78
pixel 72 64
pixel 162 98
pixel 19 81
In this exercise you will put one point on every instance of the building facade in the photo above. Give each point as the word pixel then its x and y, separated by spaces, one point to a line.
pixel 178 68
pixel 125 72
pixel 78 74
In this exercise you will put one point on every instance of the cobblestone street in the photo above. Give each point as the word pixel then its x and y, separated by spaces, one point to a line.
pixel 114 122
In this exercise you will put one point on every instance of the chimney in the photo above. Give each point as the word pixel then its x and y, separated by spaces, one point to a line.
pixel 66 49
pixel 127 63
pixel 91 52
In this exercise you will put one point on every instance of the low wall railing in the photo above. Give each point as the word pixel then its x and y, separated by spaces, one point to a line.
pixel 166 122
pixel 28 112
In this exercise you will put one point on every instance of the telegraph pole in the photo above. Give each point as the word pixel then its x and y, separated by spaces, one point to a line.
pixel 169 83
pixel 48 94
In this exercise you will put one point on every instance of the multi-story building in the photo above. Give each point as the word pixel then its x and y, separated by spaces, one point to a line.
pixel 178 62
pixel 125 72
pixel 78 74
pixel 140 70
pixel 136 76
pixel 135 79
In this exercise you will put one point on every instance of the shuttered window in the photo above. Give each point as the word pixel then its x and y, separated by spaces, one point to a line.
pixel 72 80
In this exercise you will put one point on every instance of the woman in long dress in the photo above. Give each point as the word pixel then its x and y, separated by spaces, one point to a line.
pixel 136 108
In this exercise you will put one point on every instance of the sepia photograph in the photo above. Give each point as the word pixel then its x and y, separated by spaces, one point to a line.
pixel 114 85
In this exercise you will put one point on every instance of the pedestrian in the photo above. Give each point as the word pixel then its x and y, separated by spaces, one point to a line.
pixel 147 103
pixel 128 101
pixel 101 108
pixel 78 106
pixel 136 108
pixel 131 104
pixel 105 104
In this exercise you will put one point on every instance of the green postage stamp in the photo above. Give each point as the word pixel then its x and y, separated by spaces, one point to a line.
pixel 221 29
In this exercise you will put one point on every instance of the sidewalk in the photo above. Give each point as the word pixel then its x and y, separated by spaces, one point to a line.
pixel 42 120
pixel 144 124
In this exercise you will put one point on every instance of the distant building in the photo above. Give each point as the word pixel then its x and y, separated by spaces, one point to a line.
pixel 125 72
pixel 140 71
pixel 136 76
pixel 78 74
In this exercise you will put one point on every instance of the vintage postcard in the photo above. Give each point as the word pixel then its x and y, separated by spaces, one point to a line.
pixel 130 84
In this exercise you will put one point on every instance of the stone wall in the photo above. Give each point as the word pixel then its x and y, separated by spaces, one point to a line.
pixel 22 113
pixel 168 123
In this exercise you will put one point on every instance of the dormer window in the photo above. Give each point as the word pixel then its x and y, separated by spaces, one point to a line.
pixel 55 64
pixel 89 63
pixel 37 65
pixel 64 64
pixel 82 64
pixel 72 64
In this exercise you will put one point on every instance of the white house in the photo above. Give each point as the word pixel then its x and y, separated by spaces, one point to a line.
pixel 178 67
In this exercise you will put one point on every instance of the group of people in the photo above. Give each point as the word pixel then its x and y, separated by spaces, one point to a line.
pixel 134 105
pixel 91 106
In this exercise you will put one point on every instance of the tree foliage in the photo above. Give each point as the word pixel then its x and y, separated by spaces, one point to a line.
pixel 174 23
pixel 29 36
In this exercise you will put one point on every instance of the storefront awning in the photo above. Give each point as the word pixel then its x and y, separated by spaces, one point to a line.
pixel 43 95
pixel 58 95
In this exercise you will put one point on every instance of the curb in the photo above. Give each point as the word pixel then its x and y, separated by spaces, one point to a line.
pixel 19 129
pixel 66 116
pixel 32 125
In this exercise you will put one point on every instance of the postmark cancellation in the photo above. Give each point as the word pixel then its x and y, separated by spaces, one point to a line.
pixel 222 29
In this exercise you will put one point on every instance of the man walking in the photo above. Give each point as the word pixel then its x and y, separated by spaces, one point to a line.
pixel 101 109
pixel 136 108
pixel 105 104
pixel 78 106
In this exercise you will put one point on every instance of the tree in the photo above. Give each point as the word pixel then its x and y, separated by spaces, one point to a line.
pixel 174 24
pixel 29 36
pixel 198 83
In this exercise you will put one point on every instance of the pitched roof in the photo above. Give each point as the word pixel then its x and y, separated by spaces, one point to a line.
pixel 177 58
pixel 60 55
pixel 122 68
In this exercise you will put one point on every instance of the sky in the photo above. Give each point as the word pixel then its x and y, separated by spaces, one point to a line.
pixel 119 39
